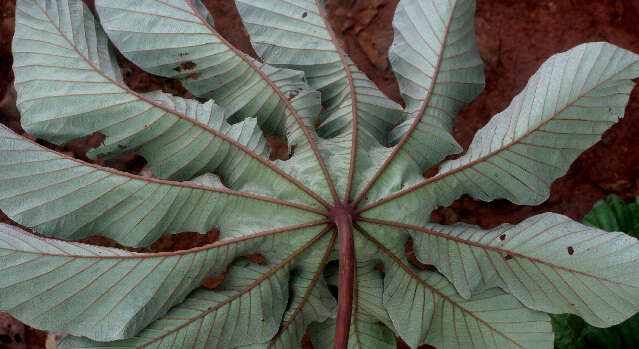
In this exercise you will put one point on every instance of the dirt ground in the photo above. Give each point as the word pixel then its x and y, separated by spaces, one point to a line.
pixel 515 37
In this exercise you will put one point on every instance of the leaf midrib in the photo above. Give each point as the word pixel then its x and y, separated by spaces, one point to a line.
pixel 432 289
pixel 242 292
pixel 421 111
pixel 286 102
pixel 308 292
pixel 495 152
pixel 195 122
pixel 170 183
pixel 490 248
pixel 135 255
pixel 351 86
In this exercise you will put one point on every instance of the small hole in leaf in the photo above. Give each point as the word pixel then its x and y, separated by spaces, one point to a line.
pixel 304 15
pixel 502 237
pixel 279 148
pixel 121 146
pixel 292 151
pixel 444 215
pixel 571 250
pixel 184 241
pixel 17 338
pixel 292 95
pixel 508 257
pixel 185 66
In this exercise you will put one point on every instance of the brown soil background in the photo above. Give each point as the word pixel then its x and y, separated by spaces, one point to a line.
pixel 515 38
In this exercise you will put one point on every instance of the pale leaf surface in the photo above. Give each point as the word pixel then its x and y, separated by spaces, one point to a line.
pixel 176 39
pixel 563 110
pixel 106 293
pixel 354 154
pixel 357 116
pixel 436 61
pixel 426 309
pixel 69 86
pixel 247 308
pixel 310 301
pixel 67 198
pixel 549 262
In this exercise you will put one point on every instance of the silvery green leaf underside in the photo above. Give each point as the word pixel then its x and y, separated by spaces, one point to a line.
pixel 357 116
pixel 425 308
pixel 69 86
pixel 563 110
pixel 549 262
pixel 245 309
pixel 106 293
pixel 67 198
pixel 349 144
pixel 177 39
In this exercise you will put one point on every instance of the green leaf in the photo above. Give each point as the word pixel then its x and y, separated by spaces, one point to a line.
pixel 573 333
pixel 69 86
pixel 357 116
pixel 563 110
pixel 614 214
pixel 611 214
pixel 106 293
pixel 549 262
pixel 426 309
pixel 247 308
pixel 436 61
pixel 67 198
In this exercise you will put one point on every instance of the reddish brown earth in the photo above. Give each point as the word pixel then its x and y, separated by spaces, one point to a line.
pixel 515 37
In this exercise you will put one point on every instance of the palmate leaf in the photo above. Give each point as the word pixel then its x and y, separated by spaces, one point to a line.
pixel 70 86
pixel 548 262
pixel 425 309
pixel 565 107
pixel 340 210
pixel 245 309
pixel 356 116
pixel 66 198
pixel 106 293
pixel 571 332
